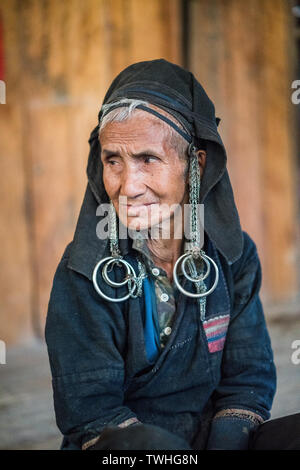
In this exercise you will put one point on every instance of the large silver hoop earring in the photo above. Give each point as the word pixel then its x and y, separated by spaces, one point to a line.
pixel 198 278
pixel 133 280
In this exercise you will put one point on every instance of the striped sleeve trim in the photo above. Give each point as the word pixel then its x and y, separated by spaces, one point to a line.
pixel 128 422
pixel 90 443
pixel 124 424
pixel 240 414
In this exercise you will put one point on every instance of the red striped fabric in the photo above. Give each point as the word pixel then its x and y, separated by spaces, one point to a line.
pixel 215 330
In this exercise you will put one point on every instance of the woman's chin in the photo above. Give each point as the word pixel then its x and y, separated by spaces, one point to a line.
pixel 138 226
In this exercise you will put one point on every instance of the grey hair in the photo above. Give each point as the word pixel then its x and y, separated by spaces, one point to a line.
pixel 121 113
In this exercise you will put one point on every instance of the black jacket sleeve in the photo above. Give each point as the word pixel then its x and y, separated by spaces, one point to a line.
pixel 86 340
pixel 245 392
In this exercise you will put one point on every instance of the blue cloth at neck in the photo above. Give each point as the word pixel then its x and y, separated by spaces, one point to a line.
pixel 151 326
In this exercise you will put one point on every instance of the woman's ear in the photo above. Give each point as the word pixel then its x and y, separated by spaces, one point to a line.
pixel 202 160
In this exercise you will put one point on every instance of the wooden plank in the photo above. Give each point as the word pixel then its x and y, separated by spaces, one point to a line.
pixel 67 53
pixel 136 30
pixel 279 157
pixel 232 53
pixel 224 58
pixel 243 99
pixel 58 117
pixel 15 274
pixel 155 30
pixel 207 47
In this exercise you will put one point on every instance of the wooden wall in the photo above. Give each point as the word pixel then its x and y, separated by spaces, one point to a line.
pixel 245 55
pixel 60 58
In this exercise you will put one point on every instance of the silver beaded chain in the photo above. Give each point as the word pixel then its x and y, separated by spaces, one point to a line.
pixel 194 248
pixel 113 232
pixel 138 280
pixel 194 180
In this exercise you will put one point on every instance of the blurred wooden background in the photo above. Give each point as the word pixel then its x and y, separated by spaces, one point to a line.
pixel 58 60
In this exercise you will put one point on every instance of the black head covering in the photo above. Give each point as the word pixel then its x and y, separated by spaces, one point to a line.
pixel 175 90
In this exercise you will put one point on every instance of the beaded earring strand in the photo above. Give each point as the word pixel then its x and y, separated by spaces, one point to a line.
pixel 192 248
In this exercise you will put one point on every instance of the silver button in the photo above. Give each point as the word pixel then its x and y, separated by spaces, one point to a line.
pixel 155 271
pixel 164 297
pixel 168 330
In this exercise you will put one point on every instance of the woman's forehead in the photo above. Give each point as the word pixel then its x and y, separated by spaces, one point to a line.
pixel 138 130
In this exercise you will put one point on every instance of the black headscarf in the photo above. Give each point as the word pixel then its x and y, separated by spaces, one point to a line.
pixel 175 90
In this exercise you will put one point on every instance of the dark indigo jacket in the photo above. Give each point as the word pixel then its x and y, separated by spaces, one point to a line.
pixel 102 377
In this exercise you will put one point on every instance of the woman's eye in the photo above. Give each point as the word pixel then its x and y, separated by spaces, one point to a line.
pixel 148 158
pixel 111 162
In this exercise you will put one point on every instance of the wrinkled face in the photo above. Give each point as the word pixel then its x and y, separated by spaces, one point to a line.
pixel 143 174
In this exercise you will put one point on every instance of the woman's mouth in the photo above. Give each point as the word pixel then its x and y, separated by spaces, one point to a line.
pixel 137 209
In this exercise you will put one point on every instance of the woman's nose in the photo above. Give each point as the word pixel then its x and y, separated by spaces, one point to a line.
pixel 132 184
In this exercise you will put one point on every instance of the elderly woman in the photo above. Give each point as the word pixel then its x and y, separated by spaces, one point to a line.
pixel 157 338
